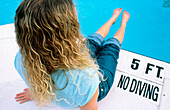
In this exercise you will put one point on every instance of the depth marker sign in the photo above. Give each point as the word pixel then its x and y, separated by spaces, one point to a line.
pixel 140 76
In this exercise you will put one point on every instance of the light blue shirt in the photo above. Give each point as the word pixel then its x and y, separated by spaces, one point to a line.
pixel 78 92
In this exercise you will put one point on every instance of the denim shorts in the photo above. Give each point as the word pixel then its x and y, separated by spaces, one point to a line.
pixel 106 53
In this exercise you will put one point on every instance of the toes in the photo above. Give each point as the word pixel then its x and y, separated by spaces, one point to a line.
pixel 115 10
pixel 125 12
pixel 118 9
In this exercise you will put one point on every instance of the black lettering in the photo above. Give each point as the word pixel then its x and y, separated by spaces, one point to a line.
pixel 139 84
pixel 146 90
pixel 148 67
pixel 159 71
pixel 144 86
pixel 149 90
pixel 135 64
pixel 121 81
pixel 126 84
pixel 155 94
pixel 134 82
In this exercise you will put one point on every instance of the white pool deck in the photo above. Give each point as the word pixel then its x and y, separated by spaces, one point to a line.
pixel 128 93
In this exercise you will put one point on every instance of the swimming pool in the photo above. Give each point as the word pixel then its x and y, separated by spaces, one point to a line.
pixel 147 32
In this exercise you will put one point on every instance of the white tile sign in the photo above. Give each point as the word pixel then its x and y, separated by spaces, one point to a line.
pixel 140 76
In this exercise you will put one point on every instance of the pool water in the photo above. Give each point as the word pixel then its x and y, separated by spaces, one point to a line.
pixel 147 32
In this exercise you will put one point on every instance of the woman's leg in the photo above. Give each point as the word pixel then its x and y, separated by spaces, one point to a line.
pixel 107 58
pixel 120 33
pixel 107 61
pixel 94 41
pixel 104 30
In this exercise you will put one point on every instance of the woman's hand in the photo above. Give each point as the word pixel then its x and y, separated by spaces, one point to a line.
pixel 24 96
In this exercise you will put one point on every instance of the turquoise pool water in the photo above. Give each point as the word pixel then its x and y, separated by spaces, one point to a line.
pixel 147 32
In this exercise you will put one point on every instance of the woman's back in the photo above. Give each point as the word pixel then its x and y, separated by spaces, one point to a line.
pixel 79 89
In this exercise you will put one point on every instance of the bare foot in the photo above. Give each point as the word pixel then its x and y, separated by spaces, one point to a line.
pixel 116 13
pixel 24 96
pixel 125 18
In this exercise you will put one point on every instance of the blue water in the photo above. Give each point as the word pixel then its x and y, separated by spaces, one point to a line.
pixel 147 32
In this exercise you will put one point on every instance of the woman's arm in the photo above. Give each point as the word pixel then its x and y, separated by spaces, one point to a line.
pixel 92 104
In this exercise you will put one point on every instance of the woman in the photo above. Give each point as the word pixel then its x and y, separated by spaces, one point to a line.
pixel 56 63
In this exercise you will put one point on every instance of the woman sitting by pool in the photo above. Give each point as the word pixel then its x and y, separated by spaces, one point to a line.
pixel 55 61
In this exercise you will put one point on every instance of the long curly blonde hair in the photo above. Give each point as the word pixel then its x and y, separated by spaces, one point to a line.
pixel 49 38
